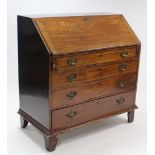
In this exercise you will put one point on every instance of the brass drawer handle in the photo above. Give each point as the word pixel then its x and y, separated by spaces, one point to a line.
pixel 120 100
pixel 71 114
pixel 71 95
pixel 72 77
pixel 122 83
pixel 124 54
pixel 123 67
pixel 72 61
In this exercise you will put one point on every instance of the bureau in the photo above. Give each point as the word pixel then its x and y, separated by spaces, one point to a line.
pixel 75 70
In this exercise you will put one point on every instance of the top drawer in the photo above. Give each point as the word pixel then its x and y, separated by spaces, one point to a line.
pixel 95 57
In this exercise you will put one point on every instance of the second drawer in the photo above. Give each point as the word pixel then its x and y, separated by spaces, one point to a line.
pixel 94 57
pixel 92 73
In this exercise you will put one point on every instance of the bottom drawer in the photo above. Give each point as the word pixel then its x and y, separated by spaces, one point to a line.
pixel 90 110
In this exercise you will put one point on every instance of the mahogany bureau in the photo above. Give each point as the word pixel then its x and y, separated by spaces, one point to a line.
pixel 74 70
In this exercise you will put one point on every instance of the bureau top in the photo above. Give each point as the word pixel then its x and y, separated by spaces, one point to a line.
pixel 71 34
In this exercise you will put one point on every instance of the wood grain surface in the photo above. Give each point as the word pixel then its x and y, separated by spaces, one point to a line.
pixel 76 76
pixel 90 110
pixel 90 90
pixel 94 57
pixel 65 35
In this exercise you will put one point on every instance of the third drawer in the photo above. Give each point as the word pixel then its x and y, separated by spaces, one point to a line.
pixel 72 95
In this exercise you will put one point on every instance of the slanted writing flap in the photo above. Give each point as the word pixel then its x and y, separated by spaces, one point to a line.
pixel 71 34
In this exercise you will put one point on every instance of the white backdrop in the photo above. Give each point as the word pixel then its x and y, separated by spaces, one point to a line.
pixel 107 137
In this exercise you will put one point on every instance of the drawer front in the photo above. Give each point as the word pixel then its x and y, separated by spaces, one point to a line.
pixel 92 110
pixel 92 73
pixel 84 92
pixel 97 57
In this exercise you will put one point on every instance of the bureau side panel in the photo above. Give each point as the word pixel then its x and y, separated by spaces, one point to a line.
pixel 33 62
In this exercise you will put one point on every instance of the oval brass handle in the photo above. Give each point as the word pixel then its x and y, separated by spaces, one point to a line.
pixel 123 67
pixel 122 83
pixel 72 77
pixel 71 95
pixel 124 54
pixel 71 114
pixel 72 61
pixel 120 100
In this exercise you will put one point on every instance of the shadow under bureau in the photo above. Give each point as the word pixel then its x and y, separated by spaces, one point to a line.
pixel 74 70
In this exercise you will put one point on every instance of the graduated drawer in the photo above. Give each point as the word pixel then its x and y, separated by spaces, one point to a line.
pixel 94 57
pixel 75 76
pixel 72 95
pixel 95 109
